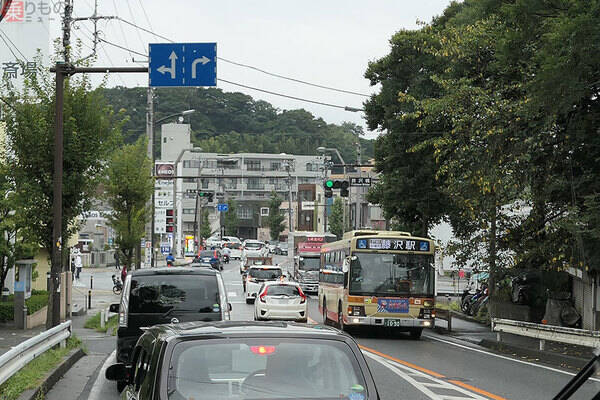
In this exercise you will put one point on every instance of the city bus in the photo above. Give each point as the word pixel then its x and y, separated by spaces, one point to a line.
pixel 378 278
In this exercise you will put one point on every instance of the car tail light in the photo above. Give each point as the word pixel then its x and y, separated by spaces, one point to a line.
pixel 122 319
pixel 302 295
pixel 262 350
pixel 263 294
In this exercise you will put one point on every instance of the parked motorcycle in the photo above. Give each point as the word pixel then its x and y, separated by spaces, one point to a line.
pixel 117 285
pixel 472 302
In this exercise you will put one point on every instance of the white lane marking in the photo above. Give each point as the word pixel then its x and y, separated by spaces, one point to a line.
pixel 231 294
pixel 234 284
pixel 505 357
pixel 409 375
pixel 97 388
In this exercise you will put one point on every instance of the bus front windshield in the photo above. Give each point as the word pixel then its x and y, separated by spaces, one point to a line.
pixel 387 274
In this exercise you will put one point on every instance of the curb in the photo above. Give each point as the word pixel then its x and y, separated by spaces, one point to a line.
pixel 465 317
pixel 546 356
pixel 53 376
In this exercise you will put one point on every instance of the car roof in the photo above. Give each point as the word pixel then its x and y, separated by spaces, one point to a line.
pixel 173 271
pixel 288 283
pixel 243 329
pixel 265 266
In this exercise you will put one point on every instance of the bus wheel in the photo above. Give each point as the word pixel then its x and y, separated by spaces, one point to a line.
pixel 324 311
pixel 341 319
pixel 416 333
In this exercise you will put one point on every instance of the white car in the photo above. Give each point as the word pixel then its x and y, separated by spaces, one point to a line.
pixel 235 250
pixel 213 242
pixel 254 248
pixel 232 239
pixel 280 300
pixel 257 275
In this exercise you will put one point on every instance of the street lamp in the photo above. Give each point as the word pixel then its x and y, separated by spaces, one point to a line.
pixel 177 241
pixel 322 149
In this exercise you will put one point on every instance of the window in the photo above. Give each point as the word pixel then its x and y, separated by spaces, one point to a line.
pixel 244 213
pixel 191 163
pixel 141 368
pixel 230 183
pixel 227 164
pixel 209 164
pixel 252 165
pixel 189 180
pixel 189 210
pixel 309 167
pixel 254 183
pixel 289 368
pixel 205 182
pixel 306 195
pixel 264 211
pixel 275 165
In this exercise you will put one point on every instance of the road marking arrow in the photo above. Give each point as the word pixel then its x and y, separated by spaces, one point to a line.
pixel 163 69
pixel 204 60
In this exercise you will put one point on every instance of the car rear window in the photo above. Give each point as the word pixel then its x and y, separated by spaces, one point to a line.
pixel 233 245
pixel 163 293
pixel 278 368
pixel 265 273
pixel 253 245
pixel 282 290
pixel 207 253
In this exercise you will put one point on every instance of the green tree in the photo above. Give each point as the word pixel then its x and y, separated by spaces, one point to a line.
pixel 14 244
pixel 91 132
pixel 336 223
pixel 231 219
pixel 128 188
pixel 276 218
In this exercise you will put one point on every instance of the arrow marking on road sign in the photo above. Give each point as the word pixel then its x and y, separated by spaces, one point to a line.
pixel 204 60
pixel 162 69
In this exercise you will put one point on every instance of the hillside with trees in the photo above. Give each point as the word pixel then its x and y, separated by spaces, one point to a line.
pixel 234 122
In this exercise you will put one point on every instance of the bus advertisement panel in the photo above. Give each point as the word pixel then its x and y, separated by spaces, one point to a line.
pixel 378 278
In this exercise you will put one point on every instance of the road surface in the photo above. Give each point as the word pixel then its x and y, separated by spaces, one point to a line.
pixel 436 367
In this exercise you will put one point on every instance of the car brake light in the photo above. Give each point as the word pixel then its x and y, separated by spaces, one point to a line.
pixel 263 294
pixel 302 295
pixel 262 350
pixel 122 319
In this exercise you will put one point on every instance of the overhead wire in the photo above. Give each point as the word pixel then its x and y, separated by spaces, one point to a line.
pixel 14 45
pixel 250 66
pixel 145 14
pixel 137 30
pixel 121 27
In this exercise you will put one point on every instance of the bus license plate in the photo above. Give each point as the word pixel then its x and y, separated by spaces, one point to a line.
pixel 392 322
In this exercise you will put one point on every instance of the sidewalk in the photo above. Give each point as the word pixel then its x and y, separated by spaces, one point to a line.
pixel 11 336
pixel 564 355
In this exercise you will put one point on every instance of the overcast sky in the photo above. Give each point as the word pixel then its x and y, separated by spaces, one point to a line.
pixel 325 42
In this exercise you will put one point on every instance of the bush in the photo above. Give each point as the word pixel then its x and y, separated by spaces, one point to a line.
pixel 37 301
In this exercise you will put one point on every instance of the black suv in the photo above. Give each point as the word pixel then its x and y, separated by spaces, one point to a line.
pixel 167 295
pixel 245 360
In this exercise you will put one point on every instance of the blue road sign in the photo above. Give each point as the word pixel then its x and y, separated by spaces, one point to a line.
pixel 222 207
pixel 183 64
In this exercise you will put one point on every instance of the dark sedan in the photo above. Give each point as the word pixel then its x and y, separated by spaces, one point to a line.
pixel 245 360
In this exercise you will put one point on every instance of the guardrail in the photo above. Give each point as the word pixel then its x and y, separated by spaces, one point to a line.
pixel 444 315
pixel 17 357
pixel 580 337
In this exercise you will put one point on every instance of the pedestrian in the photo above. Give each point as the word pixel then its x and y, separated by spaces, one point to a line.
pixel 72 268
pixel 124 273
pixel 78 265
pixel 117 266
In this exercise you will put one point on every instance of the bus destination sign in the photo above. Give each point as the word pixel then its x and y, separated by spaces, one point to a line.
pixel 393 244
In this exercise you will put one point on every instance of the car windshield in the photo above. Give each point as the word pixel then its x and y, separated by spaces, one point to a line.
pixel 265 273
pixel 163 293
pixel 391 274
pixel 282 290
pixel 310 264
pixel 253 245
pixel 264 369
pixel 207 253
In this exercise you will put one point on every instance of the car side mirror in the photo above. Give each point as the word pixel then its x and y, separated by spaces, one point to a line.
pixel 229 307
pixel 117 372
pixel 114 308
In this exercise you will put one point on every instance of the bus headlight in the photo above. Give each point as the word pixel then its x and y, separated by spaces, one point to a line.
pixel 427 323
pixel 428 303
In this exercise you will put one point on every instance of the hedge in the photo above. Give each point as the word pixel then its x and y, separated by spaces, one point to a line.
pixel 37 301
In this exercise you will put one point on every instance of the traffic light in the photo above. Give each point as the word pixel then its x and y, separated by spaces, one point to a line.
pixel 343 185
pixel 327 185
pixel 207 195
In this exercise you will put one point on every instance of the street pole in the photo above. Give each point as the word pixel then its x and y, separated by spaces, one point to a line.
pixel 288 166
pixel 150 132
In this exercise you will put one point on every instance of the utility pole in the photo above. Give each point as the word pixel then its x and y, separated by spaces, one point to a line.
pixel 150 133
pixel 358 208
pixel 62 70
pixel 288 167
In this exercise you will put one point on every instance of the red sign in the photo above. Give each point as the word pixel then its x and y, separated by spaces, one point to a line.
pixel 315 239
pixel 306 247
pixel 165 170
pixel 12 13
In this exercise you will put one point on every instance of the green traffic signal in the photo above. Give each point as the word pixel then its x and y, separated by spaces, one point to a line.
pixel 329 183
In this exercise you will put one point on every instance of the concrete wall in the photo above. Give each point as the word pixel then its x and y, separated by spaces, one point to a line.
pixel 38 318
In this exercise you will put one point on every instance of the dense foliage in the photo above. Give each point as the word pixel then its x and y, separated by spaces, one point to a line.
pixel 234 122
pixel 490 114
pixel 336 220
pixel 276 219
pixel 128 187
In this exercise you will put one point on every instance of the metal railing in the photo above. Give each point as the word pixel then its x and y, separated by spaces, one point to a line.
pixel 19 356
pixel 580 337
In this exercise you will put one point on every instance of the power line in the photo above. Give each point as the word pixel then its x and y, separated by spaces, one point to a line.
pixel 14 45
pixel 8 46
pixel 133 18
pixel 123 48
pixel 292 79
pixel 121 27
pixel 145 14
pixel 283 95
pixel 252 67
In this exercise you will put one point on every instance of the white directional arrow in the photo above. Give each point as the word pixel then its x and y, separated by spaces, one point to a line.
pixel 204 60
pixel 163 69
